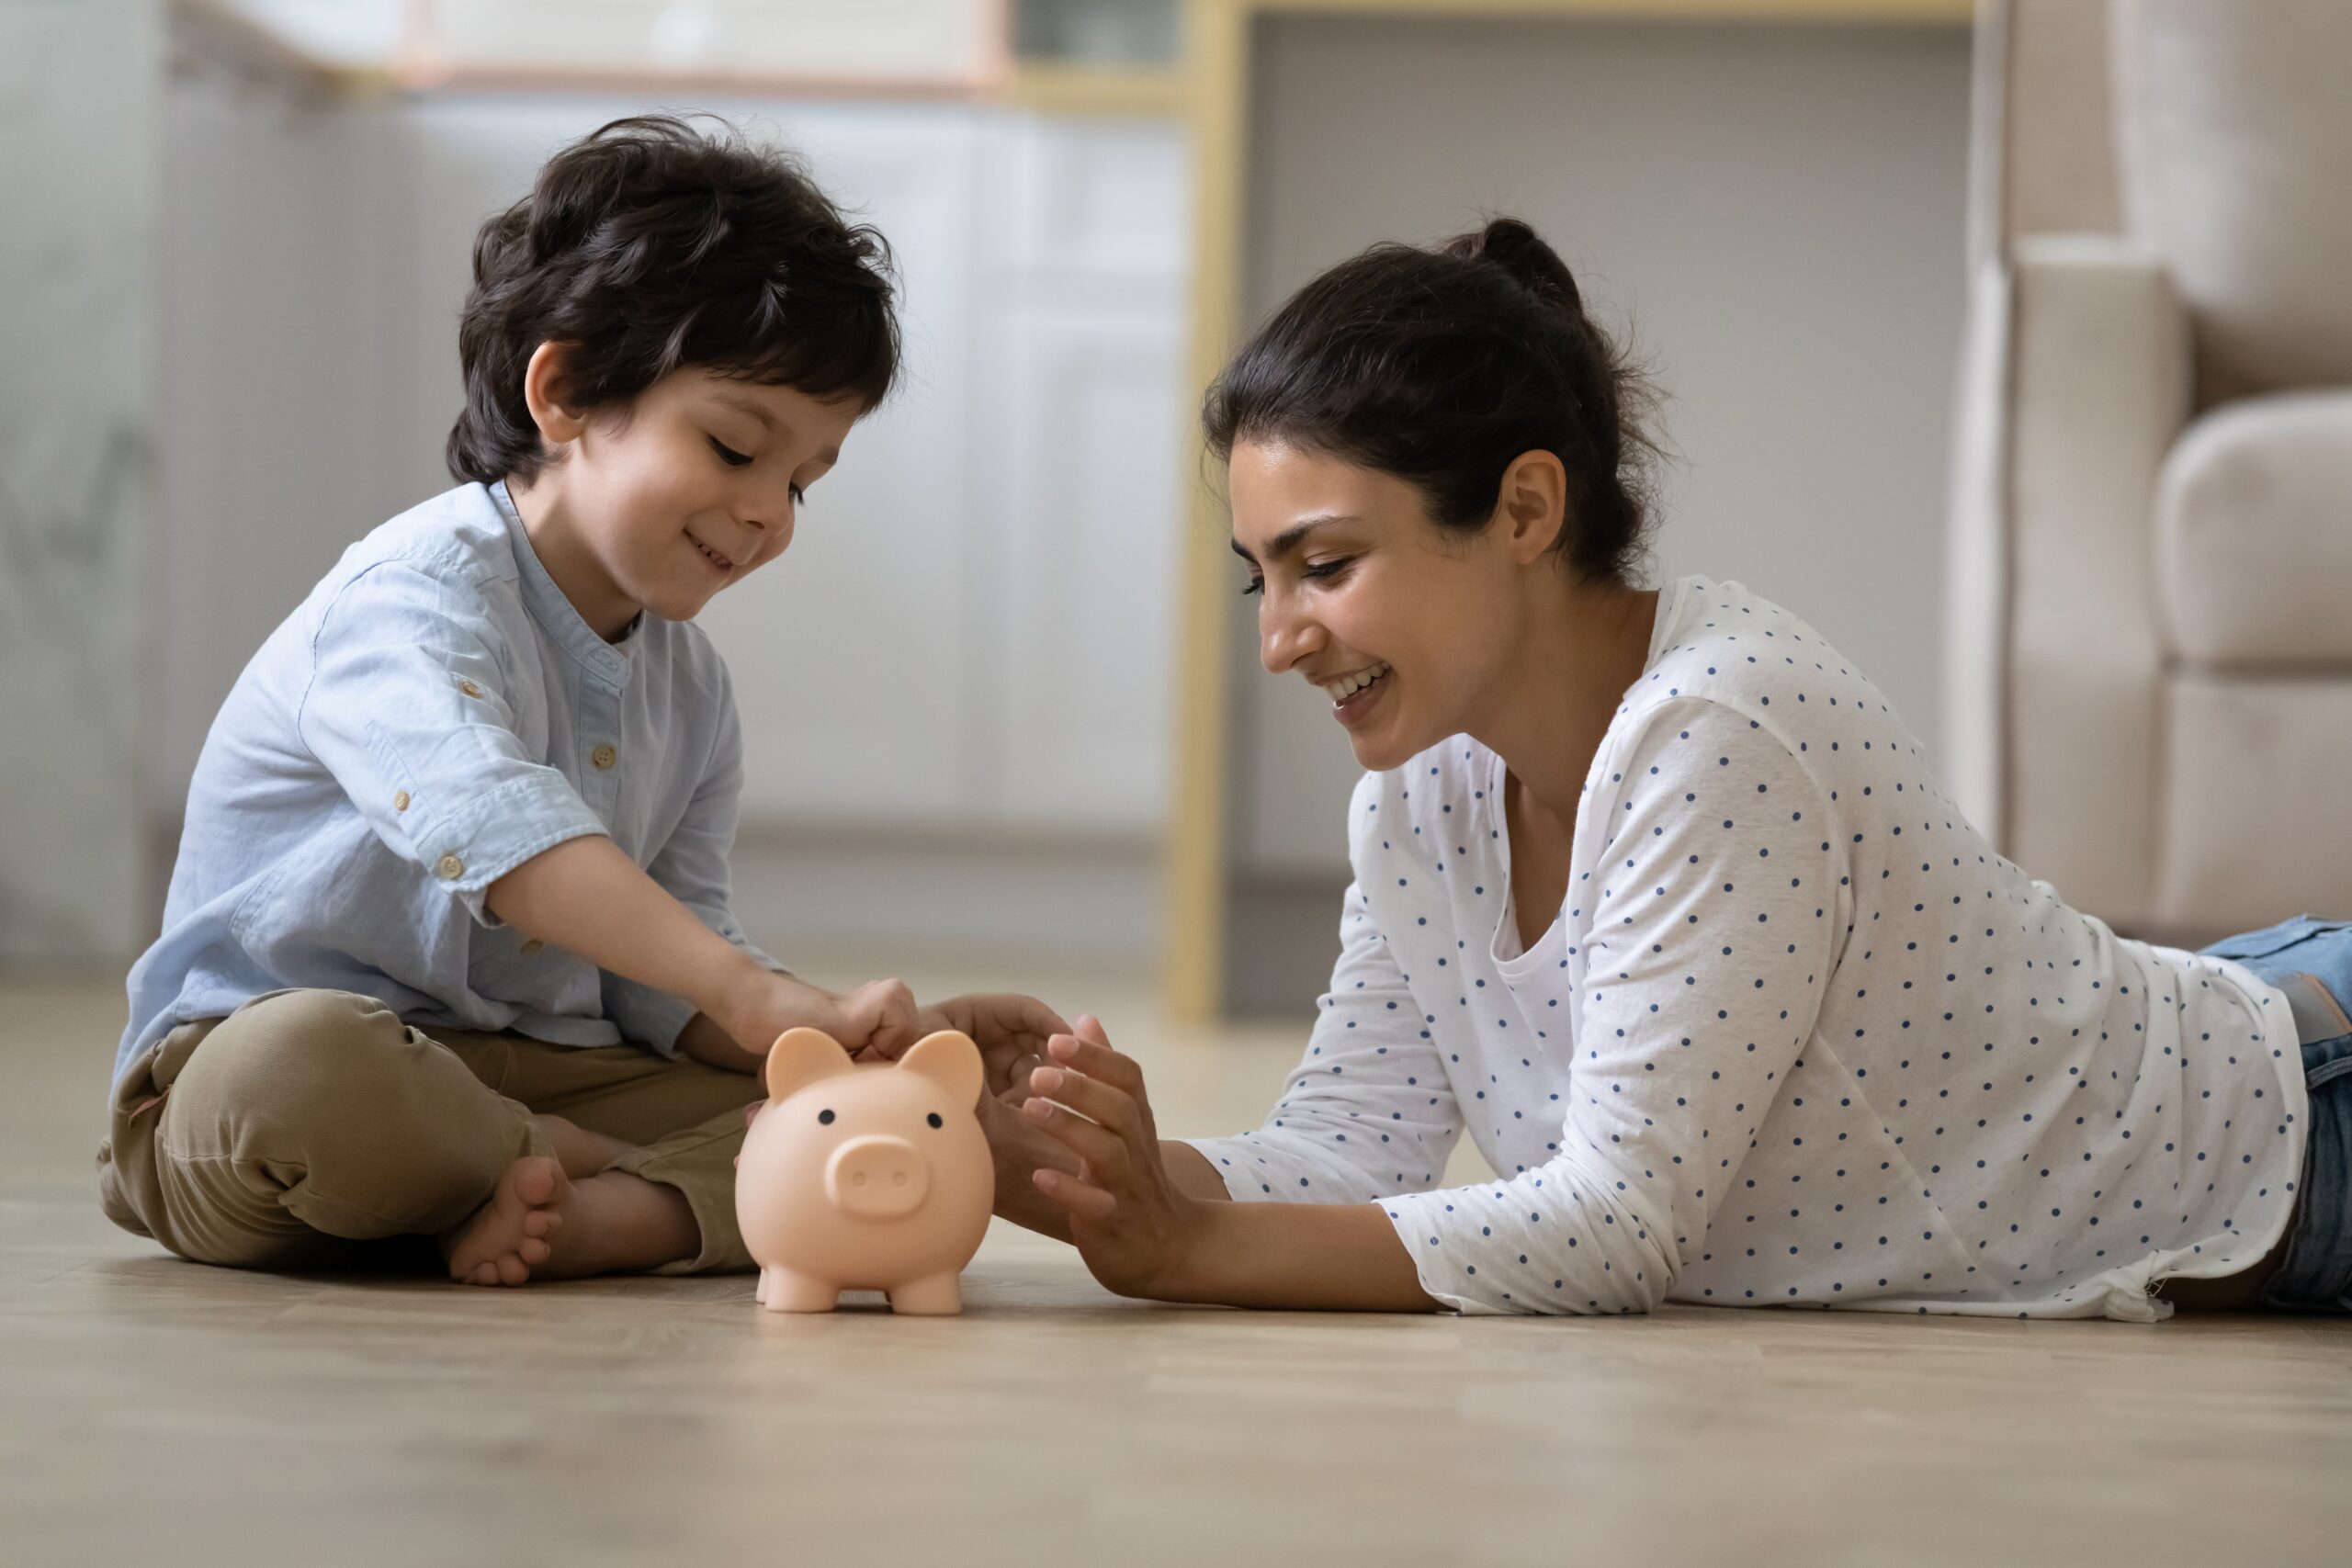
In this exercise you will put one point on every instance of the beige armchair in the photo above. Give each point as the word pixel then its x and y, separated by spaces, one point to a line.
pixel 2150 660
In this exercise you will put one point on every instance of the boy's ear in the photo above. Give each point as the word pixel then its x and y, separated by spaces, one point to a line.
pixel 799 1057
pixel 543 394
pixel 949 1059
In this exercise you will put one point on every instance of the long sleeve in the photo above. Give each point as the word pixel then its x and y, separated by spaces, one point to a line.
pixel 1369 1110
pixel 692 867
pixel 1712 917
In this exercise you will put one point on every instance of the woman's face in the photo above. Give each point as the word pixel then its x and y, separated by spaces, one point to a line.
pixel 1403 626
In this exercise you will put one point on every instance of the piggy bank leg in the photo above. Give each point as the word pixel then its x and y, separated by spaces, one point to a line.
pixel 939 1295
pixel 782 1291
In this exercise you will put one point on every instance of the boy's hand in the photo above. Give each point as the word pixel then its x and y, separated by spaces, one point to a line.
pixel 880 1015
pixel 879 1018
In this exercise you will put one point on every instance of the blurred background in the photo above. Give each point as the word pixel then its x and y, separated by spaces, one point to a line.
pixel 1949 301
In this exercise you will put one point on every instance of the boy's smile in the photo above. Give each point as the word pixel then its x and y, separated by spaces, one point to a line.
pixel 690 489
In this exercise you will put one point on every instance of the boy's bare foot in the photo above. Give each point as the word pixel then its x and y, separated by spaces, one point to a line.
pixel 541 1224
pixel 578 1150
pixel 510 1234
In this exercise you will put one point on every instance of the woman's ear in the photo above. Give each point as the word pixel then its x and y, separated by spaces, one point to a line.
pixel 1533 504
pixel 543 394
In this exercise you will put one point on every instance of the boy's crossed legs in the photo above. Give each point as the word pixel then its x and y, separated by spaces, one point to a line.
pixel 311 1122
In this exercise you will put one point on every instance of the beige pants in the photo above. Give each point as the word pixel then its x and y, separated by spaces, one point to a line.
pixel 307 1124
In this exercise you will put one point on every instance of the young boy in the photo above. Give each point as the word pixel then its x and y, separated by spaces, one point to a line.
pixel 448 950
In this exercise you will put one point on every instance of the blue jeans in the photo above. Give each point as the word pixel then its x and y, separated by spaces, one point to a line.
pixel 2316 1274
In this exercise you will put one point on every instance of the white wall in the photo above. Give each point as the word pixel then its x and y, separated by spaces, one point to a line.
pixel 79 151
pixel 1776 210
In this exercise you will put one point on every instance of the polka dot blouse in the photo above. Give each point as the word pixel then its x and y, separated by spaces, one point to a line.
pixel 1798 1035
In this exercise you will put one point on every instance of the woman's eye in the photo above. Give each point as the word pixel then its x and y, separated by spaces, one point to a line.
pixel 727 455
pixel 799 496
pixel 1257 585
pixel 1330 567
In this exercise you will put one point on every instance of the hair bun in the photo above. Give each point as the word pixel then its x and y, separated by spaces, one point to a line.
pixel 1519 251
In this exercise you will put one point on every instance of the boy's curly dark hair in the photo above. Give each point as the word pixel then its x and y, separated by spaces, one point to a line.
pixel 652 244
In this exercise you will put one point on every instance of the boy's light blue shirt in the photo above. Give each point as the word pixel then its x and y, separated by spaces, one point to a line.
pixel 434 714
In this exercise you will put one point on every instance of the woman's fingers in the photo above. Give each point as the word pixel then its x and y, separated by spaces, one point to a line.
pixel 1090 1098
pixel 1017 1074
pixel 1003 1018
pixel 1078 1196
pixel 1097 1060
pixel 1102 1147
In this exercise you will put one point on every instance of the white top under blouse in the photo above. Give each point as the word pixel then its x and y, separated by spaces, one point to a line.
pixel 1797 1035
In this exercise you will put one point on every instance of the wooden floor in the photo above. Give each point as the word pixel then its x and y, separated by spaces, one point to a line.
pixel 153 1411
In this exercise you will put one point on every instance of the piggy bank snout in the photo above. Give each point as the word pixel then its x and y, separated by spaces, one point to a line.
pixel 877 1177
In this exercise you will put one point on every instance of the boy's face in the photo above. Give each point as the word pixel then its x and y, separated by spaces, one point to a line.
pixel 689 491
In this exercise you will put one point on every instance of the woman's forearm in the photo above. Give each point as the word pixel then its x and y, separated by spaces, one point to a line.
pixel 1303 1257
pixel 1190 1170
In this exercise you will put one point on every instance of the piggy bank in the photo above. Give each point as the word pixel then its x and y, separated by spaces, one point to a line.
pixel 874 1178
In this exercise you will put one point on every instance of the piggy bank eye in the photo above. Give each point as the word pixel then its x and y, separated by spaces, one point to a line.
pixel 934 1120
pixel 824 1118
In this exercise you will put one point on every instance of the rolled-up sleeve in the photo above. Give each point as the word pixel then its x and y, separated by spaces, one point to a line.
pixel 692 867
pixel 406 707
pixel 1369 1111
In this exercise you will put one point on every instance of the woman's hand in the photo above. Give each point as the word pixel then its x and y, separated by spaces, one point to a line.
pixel 1127 1216
pixel 1012 1031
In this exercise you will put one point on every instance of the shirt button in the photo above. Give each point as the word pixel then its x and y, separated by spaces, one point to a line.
pixel 469 688
pixel 400 801
pixel 605 757
pixel 451 868
pixel 532 946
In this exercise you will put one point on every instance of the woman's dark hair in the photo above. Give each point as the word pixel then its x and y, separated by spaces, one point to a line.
pixel 652 244
pixel 1442 366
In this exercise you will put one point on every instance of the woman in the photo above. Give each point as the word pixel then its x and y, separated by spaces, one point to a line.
pixel 1656 897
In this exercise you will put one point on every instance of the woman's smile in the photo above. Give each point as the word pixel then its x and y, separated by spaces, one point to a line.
pixel 1354 695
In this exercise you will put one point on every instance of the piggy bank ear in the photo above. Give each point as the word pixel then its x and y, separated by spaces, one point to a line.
pixel 949 1059
pixel 801 1056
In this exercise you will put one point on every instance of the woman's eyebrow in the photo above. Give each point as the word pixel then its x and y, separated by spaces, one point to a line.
pixel 1288 539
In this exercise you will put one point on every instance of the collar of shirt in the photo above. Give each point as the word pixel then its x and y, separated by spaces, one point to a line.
pixel 610 662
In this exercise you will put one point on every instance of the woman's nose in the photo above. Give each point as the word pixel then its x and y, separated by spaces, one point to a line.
pixel 1284 637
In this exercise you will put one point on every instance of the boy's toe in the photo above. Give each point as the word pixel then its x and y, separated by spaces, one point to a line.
pixel 535 1181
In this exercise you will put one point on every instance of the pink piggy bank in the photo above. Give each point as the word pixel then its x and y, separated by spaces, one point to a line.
pixel 873 1178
